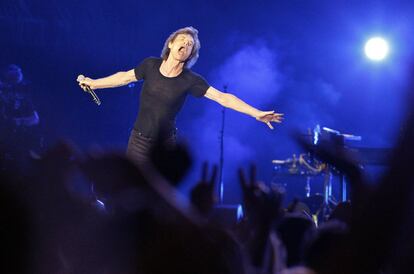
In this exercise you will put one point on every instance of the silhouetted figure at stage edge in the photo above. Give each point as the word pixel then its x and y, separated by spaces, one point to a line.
pixel 167 82
pixel 18 118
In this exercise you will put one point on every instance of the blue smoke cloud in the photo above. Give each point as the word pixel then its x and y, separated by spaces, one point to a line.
pixel 251 73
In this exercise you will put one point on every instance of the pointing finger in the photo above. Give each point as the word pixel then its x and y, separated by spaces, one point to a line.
pixel 269 125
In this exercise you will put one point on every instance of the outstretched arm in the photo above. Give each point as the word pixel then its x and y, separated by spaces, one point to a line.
pixel 231 101
pixel 118 79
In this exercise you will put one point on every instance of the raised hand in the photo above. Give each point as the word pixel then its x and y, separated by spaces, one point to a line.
pixel 202 195
pixel 261 204
pixel 268 117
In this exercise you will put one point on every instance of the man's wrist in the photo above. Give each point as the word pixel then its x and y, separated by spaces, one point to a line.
pixel 256 114
pixel 93 84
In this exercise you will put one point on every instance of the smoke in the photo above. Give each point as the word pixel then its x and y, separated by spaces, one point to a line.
pixel 251 73
pixel 311 102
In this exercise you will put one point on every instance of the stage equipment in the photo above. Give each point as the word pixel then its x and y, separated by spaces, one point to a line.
pixel 317 175
pixel 313 181
pixel 307 179
pixel 221 165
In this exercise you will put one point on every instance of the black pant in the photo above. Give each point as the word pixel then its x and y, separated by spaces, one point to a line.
pixel 139 146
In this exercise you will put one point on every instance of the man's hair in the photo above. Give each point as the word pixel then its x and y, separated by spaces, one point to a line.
pixel 192 59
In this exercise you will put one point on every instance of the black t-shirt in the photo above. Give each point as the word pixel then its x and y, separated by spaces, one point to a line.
pixel 162 97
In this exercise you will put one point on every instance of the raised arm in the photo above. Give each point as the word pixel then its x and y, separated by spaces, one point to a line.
pixel 118 79
pixel 231 101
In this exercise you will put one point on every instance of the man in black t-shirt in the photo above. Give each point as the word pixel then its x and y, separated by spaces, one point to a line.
pixel 167 82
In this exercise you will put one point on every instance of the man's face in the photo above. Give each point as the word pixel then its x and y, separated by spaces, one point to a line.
pixel 181 47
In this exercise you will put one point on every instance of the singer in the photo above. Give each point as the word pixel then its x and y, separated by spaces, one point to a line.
pixel 167 82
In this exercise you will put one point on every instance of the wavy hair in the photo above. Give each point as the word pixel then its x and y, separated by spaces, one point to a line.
pixel 192 59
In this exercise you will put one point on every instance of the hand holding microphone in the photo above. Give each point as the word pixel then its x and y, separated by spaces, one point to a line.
pixel 84 81
pixel 85 84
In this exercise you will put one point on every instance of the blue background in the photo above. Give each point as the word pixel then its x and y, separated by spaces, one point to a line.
pixel 302 58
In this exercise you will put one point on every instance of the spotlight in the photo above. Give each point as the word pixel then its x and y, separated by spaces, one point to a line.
pixel 376 48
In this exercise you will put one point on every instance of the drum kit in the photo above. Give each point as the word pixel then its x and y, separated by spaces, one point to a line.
pixel 306 179
pixel 318 186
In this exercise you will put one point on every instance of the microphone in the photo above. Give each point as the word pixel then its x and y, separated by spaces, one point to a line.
pixel 89 90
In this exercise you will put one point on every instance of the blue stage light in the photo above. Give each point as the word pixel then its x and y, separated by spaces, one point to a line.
pixel 376 49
